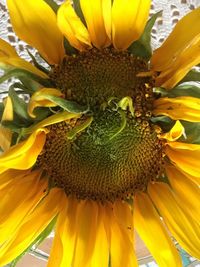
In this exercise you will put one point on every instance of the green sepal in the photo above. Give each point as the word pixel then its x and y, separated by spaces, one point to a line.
pixel 29 86
pixel 164 122
pixel 191 76
pixel 142 47
pixel 37 65
pixel 67 105
pixel 15 125
pixel 70 50
pixel 180 90
pixel 1 110
pixel 36 242
pixel 19 105
pixel 77 8
pixel 192 132
pixel 21 73
pixel 53 5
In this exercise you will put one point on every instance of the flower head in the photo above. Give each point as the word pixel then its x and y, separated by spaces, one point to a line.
pixel 106 142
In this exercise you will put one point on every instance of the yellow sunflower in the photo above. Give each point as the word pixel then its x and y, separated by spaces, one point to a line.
pixel 108 141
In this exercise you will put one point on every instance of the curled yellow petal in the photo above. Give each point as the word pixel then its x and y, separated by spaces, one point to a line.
pixel 10 59
pixel 185 156
pixel 94 13
pixel 6 134
pixel 129 18
pixel 24 155
pixel 72 27
pixel 38 99
pixel 183 228
pixel 180 38
pixel 56 118
pixel 179 108
pixel 35 23
pixel 175 133
pixel 147 222
pixel 186 190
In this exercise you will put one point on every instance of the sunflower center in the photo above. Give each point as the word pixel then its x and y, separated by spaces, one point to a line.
pixel 114 151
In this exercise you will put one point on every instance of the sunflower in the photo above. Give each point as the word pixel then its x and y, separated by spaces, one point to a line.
pixel 102 140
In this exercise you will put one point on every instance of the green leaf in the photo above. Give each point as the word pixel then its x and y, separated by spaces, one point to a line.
pixel 77 8
pixel 41 113
pixel 36 242
pixel 192 76
pixel 53 5
pixel 142 47
pixel 13 126
pixel 21 73
pixel 67 105
pixel 19 105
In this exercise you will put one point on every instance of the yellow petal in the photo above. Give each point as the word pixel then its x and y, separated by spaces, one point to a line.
pixel 175 133
pixel 147 223
pixel 121 242
pixel 56 118
pixel 86 232
pixel 179 68
pixel 94 14
pixel 123 214
pixel 183 228
pixel 72 27
pixel 183 33
pixel 185 156
pixel 186 190
pixel 62 251
pixel 107 15
pixel 32 226
pixel 179 108
pixel 23 155
pixel 101 242
pixel 6 134
pixel 6 50
pixel 35 23
pixel 128 21
pixel 38 99
pixel 8 176
pixel 18 199
pixel 10 59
